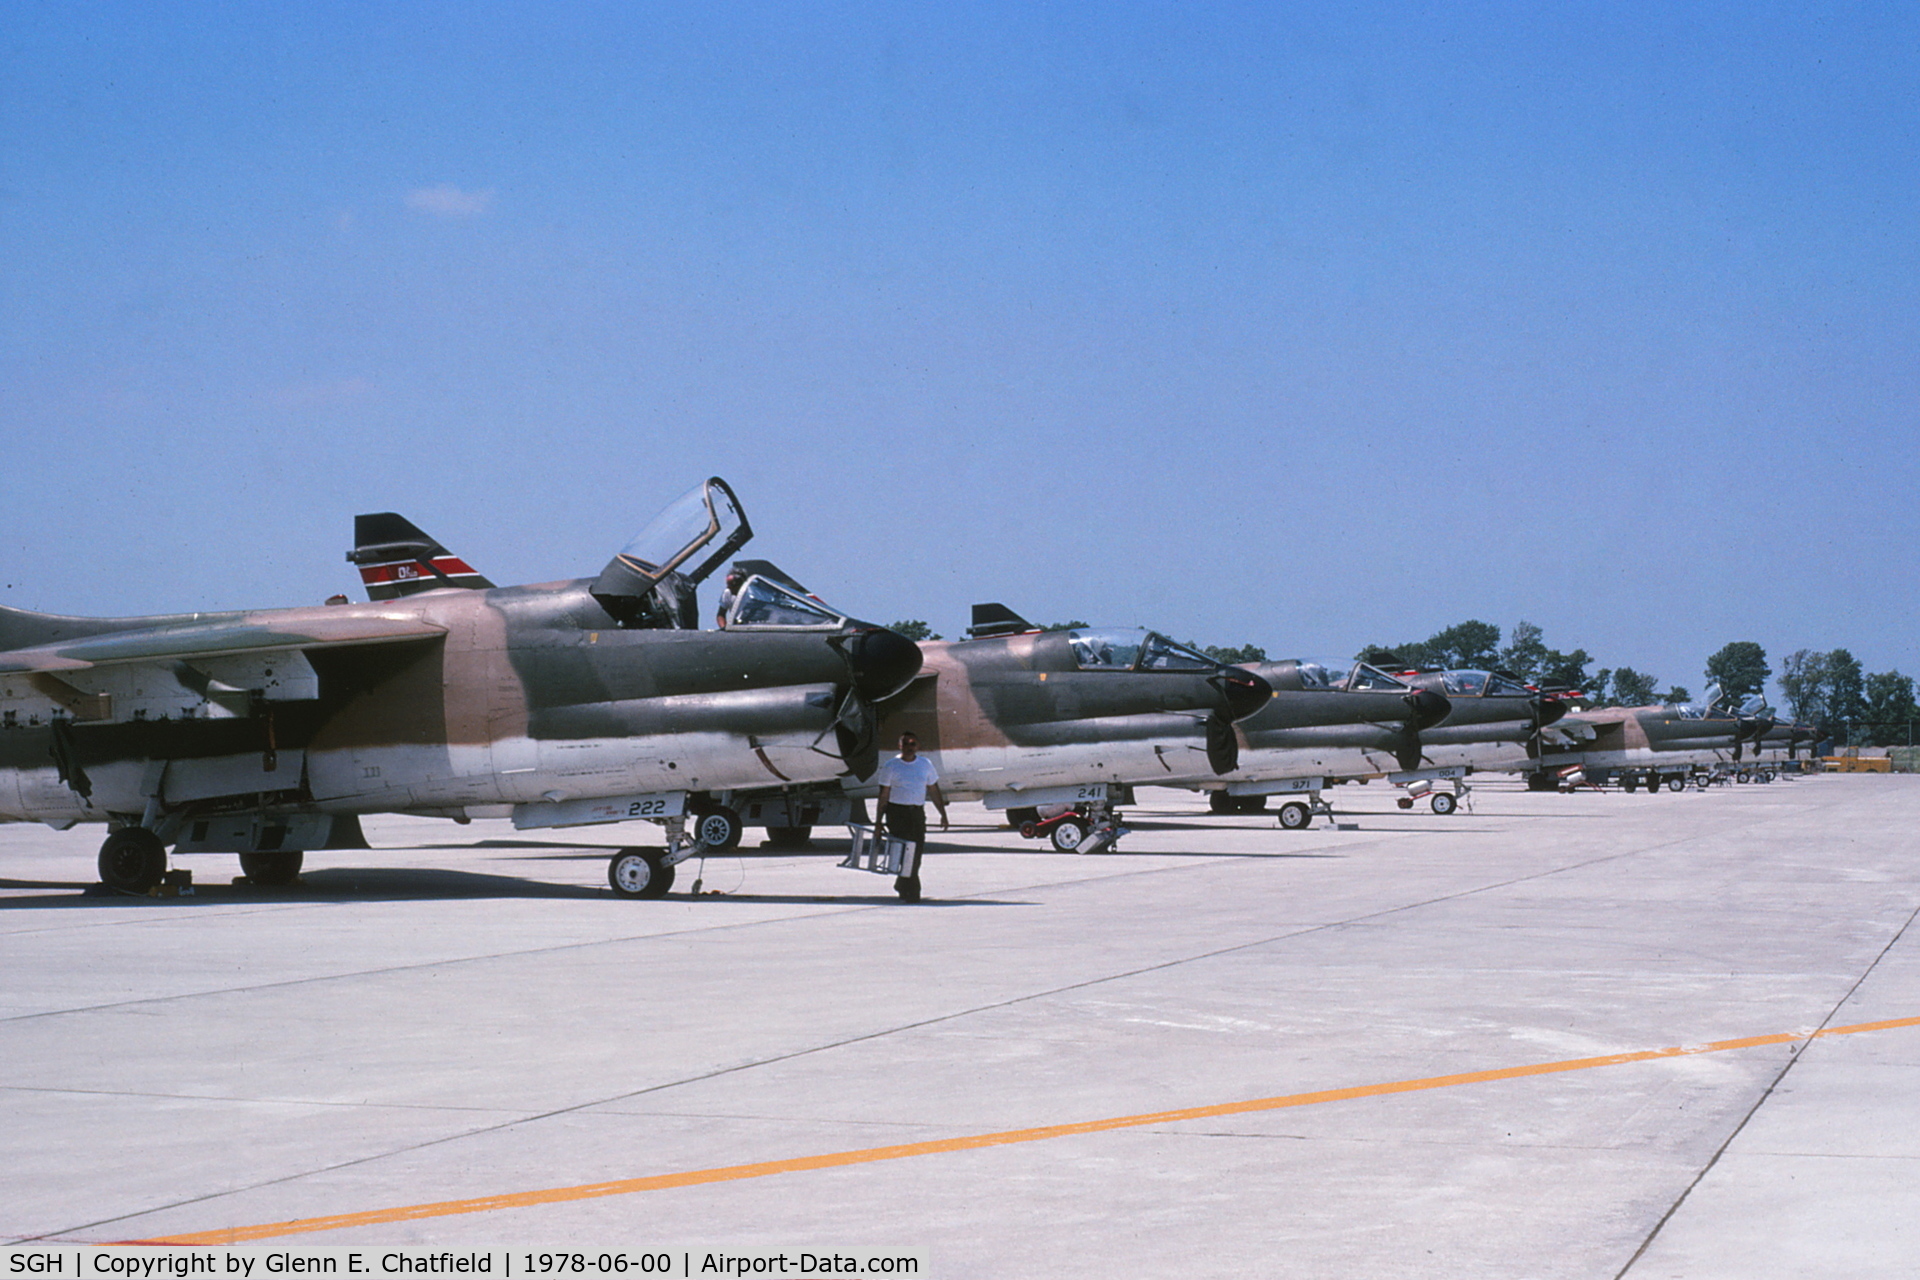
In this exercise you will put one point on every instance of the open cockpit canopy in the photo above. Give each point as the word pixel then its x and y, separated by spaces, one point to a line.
pixel 652 582
pixel 1715 704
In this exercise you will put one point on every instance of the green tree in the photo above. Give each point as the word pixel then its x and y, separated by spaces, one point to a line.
pixel 1075 625
pixel 914 629
pixel 1465 644
pixel 1234 656
pixel 1891 711
pixel 1633 689
pixel 1569 669
pixel 1525 652
pixel 1676 694
pixel 1804 681
pixel 1846 697
pixel 1740 669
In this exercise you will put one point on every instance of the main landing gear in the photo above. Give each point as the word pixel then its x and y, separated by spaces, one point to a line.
pixel 133 860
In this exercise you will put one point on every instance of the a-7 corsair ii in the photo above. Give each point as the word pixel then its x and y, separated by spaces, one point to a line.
pixel 1646 746
pixel 1014 716
pixel 1022 718
pixel 1329 719
pixel 591 700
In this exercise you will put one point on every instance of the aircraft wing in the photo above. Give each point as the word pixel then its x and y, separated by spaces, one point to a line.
pixel 227 638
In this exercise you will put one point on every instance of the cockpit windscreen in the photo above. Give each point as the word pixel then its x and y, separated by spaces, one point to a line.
pixel 1474 684
pixel 762 602
pixel 1162 654
pixel 1345 675
pixel 1108 648
pixel 1133 649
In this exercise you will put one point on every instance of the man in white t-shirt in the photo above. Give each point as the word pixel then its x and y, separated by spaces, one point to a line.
pixel 907 782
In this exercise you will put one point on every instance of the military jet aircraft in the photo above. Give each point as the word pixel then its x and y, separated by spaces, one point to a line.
pixel 1648 746
pixel 1329 719
pixel 593 700
pixel 1494 726
pixel 1779 748
pixel 1021 718
pixel 1013 716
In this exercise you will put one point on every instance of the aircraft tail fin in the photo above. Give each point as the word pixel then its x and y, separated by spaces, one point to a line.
pixel 995 619
pixel 397 559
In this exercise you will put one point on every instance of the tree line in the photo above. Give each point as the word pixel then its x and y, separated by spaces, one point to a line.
pixel 1476 644
pixel 1827 690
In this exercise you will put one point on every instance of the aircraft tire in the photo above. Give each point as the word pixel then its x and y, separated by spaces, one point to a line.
pixel 1068 834
pixel 1295 816
pixel 1221 802
pixel 639 873
pixel 717 828
pixel 1539 781
pixel 908 887
pixel 1630 783
pixel 132 860
pixel 277 868
pixel 1653 783
pixel 789 837
pixel 1443 802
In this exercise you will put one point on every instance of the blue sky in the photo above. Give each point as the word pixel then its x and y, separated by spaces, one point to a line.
pixel 1252 323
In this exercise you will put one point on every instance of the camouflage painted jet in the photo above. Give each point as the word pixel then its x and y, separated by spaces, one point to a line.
pixel 1020 718
pixel 1328 720
pixel 586 701
pixel 1646 746
pixel 1494 726
pixel 1778 751
pixel 1013 716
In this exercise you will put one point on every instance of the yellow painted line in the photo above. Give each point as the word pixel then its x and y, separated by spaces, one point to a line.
pixel 1009 1137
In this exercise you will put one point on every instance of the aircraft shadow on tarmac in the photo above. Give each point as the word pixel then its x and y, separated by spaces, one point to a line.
pixel 414 884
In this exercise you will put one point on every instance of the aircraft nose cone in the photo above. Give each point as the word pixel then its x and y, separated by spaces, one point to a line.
pixel 883 662
pixel 1429 707
pixel 1243 692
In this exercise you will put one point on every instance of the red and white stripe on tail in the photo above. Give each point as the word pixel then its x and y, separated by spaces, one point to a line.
pixel 396 559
